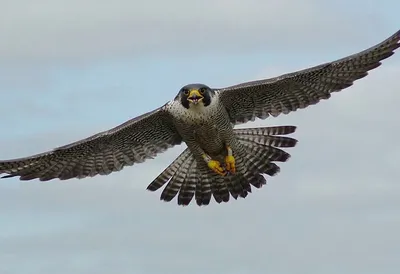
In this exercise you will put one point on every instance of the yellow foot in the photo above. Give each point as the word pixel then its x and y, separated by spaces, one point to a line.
pixel 230 164
pixel 216 167
pixel 230 161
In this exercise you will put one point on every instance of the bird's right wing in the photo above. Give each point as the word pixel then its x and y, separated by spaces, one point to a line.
pixel 132 142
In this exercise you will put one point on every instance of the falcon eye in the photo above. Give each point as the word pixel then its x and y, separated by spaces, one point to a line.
pixel 186 91
pixel 202 90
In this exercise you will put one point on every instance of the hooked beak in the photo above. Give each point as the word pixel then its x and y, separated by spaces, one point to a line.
pixel 195 97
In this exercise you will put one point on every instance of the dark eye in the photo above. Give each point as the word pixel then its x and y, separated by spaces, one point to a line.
pixel 202 90
pixel 185 91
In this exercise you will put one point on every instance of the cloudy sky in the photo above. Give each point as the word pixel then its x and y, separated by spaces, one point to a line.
pixel 69 69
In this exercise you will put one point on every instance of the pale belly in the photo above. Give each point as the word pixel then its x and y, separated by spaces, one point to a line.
pixel 207 128
pixel 207 136
pixel 209 139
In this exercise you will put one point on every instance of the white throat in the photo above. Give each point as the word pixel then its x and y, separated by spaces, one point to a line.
pixel 199 107
pixel 195 112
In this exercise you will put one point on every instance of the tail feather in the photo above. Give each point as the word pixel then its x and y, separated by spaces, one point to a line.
pixel 242 167
pixel 236 188
pixel 257 180
pixel 220 192
pixel 276 141
pixel 266 131
pixel 169 171
pixel 255 152
pixel 177 180
pixel 266 136
pixel 256 164
pixel 189 186
pixel 214 190
pixel 260 158
pixel 272 153
pixel 204 187
pixel 198 194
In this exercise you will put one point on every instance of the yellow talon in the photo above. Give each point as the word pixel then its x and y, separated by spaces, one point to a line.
pixel 230 163
pixel 216 167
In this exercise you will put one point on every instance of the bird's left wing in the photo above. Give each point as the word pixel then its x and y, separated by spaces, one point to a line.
pixel 132 142
pixel 289 92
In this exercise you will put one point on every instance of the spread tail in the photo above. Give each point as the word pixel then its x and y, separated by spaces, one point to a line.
pixel 255 154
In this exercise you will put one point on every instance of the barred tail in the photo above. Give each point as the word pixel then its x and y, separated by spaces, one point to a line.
pixel 262 147
pixel 173 175
pixel 255 154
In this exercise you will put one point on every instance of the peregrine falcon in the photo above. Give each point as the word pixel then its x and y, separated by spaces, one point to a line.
pixel 219 160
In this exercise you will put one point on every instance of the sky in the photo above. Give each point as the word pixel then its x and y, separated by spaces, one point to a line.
pixel 70 69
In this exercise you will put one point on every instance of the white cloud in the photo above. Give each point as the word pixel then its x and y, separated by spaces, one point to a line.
pixel 78 31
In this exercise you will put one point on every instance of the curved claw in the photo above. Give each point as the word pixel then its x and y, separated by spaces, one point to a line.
pixel 216 167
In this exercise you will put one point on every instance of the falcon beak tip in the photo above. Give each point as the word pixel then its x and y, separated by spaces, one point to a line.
pixel 195 97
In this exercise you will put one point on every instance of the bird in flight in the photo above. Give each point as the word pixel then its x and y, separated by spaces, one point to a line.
pixel 219 160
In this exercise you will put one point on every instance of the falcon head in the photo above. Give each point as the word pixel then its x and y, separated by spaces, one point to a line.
pixel 195 95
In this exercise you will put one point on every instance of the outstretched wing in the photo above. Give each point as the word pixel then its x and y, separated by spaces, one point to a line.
pixel 292 91
pixel 131 142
